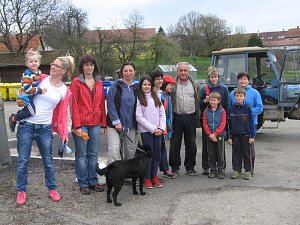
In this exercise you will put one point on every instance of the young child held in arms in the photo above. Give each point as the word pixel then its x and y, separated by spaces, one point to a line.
pixel 214 123
pixel 30 81
pixel 241 134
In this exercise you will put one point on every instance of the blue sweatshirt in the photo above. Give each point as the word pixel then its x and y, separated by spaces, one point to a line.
pixel 126 115
pixel 253 100
pixel 240 121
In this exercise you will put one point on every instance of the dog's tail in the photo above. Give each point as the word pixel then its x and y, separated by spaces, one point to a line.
pixel 102 171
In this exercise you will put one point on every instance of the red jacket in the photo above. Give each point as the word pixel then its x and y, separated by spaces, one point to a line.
pixel 87 109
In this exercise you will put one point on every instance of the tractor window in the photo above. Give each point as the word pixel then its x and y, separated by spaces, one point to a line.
pixel 230 66
pixel 266 70
pixel 291 69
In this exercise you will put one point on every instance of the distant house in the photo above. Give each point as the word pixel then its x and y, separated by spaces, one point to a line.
pixel 35 43
pixel 172 70
pixel 143 34
pixel 12 64
pixel 281 39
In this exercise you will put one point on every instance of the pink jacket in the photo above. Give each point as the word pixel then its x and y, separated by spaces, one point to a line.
pixel 60 117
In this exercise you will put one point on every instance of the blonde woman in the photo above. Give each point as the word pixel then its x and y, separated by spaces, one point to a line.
pixel 51 115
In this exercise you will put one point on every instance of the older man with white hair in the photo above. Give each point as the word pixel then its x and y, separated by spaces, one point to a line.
pixel 186 100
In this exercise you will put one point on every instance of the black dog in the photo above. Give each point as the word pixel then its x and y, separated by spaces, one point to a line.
pixel 117 171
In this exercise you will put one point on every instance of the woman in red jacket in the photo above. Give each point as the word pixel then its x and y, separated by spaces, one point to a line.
pixel 88 117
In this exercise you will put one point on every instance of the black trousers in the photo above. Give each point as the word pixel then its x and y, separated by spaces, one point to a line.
pixel 184 126
pixel 216 155
pixel 204 150
pixel 241 153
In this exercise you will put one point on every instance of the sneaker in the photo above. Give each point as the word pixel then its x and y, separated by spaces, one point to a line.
pixel 205 172
pixel 21 198
pixel 221 175
pixel 161 180
pixel 191 172
pixel 148 183
pixel 175 172
pixel 252 171
pixel 156 182
pixel 85 190
pixel 247 175
pixel 54 195
pixel 169 174
pixel 96 187
pixel 235 174
pixel 212 175
pixel 12 122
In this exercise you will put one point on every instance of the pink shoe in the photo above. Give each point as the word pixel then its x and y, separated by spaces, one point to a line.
pixel 21 198
pixel 156 182
pixel 54 195
pixel 148 184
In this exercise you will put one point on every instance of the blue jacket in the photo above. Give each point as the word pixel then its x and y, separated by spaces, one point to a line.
pixel 214 122
pixel 121 105
pixel 240 121
pixel 167 103
pixel 253 99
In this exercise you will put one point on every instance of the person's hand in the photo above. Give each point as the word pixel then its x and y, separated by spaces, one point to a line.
pixel 206 99
pixel 103 130
pixel 119 127
pixel 251 140
pixel 44 90
pixel 229 141
pixel 81 134
pixel 20 102
pixel 158 132
pixel 213 138
pixel 65 140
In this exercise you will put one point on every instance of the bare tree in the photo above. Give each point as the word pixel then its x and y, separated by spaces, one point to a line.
pixel 238 39
pixel 128 44
pixel 65 31
pixel 102 48
pixel 24 19
pixel 199 34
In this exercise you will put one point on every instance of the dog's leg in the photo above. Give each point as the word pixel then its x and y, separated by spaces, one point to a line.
pixel 141 180
pixel 115 195
pixel 134 186
pixel 109 188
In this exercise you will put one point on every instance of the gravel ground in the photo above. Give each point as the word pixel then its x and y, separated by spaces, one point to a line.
pixel 271 197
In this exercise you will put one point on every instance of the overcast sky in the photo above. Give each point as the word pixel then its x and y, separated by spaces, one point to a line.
pixel 253 15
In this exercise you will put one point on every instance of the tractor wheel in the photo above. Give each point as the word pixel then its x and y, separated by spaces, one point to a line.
pixel 260 121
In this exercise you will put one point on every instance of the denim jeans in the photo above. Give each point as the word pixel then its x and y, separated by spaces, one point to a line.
pixel 42 134
pixel 86 156
pixel 154 142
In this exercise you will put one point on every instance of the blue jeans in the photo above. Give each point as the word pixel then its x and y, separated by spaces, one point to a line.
pixel 86 156
pixel 154 142
pixel 42 134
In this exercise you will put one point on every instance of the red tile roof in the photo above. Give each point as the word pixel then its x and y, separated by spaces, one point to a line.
pixel 34 43
pixel 143 34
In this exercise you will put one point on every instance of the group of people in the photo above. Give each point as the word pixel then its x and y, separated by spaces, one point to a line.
pixel 158 109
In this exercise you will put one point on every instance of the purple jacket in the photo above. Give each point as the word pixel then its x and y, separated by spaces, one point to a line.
pixel 149 117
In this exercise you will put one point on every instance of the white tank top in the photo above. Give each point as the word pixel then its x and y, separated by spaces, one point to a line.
pixel 46 103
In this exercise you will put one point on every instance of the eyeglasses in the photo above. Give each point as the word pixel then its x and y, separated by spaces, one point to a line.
pixel 55 65
pixel 158 78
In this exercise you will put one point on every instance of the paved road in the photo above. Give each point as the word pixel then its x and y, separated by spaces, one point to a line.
pixel 271 197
